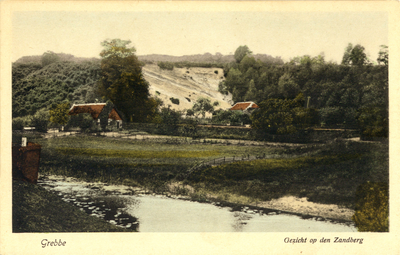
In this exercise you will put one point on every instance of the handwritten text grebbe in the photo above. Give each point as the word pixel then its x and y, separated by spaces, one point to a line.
pixel 45 243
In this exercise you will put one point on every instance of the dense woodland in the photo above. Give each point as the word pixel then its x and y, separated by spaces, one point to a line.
pixel 351 94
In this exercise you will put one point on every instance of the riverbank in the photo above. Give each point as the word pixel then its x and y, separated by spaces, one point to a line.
pixel 287 204
pixel 305 207
pixel 40 211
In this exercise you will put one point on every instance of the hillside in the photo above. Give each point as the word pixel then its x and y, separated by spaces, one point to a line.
pixel 36 87
pixel 186 84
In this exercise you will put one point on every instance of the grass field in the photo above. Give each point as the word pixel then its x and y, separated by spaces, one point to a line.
pixel 131 162
pixel 325 173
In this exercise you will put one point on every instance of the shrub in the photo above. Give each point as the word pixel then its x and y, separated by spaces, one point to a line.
pixel 41 120
pixel 84 121
pixel 374 122
pixel 169 116
pixel 166 65
pixel 18 123
pixel 372 207
pixel 174 100
pixel 189 130
pixel 227 116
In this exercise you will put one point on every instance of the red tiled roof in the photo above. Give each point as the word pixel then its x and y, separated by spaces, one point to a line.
pixel 94 110
pixel 114 115
pixel 243 106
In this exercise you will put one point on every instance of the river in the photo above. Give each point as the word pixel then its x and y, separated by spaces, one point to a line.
pixel 122 206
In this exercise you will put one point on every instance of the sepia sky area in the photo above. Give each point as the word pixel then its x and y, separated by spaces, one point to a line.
pixel 284 34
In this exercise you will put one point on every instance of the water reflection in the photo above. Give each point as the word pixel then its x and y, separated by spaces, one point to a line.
pixel 147 213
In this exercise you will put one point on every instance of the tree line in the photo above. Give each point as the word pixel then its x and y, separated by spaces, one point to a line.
pixel 304 91
pixel 351 94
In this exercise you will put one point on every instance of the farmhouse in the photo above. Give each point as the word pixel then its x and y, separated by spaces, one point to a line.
pixel 95 109
pixel 245 107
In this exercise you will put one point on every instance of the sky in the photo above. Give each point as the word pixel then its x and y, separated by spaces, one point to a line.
pixel 284 34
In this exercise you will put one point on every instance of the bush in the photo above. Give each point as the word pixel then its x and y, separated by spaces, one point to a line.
pixel 372 207
pixel 84 121
pixel 227 116
pixel 18 123
pixel 189 130
pixel 166 65
pixel 41 120
pixel 374 122
pixel 174 100
pixel 170 116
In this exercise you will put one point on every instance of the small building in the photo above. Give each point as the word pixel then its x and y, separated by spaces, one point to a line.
pixel 95 109
pixel 245 107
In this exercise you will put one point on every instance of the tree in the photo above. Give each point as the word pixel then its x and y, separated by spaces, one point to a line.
pixel 283 116
pixel 122 81
pixel 203 105
pixel 103 116
pixel 49 57
pixel 170 116
pixel 287 86
pixel 275 116
pixel 354 56
pixel 251 94
pixel 246 63
pixel 383 55
pixel 241 52
pixel 358 56
pixel 346 55
pixel 236 83
pixel 41 120
pixel 59 113
pixel 222 88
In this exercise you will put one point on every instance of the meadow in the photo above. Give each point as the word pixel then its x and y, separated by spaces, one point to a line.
pixel 131 162
pixel 325 172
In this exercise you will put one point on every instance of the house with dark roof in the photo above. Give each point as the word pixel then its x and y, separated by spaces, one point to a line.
pixel 245 107
pixel 94 110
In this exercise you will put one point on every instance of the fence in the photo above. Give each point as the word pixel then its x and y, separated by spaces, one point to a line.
pixel 227 160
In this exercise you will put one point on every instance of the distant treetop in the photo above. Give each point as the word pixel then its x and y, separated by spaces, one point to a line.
pixel 117 47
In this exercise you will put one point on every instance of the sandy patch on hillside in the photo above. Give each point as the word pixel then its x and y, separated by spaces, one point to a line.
pixel 186 84
pixel 301 205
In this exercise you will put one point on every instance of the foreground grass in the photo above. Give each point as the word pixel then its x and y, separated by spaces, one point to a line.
pixel 331 175
pixel 37 210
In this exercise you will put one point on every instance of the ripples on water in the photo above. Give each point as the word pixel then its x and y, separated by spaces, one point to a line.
pixel 147 213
